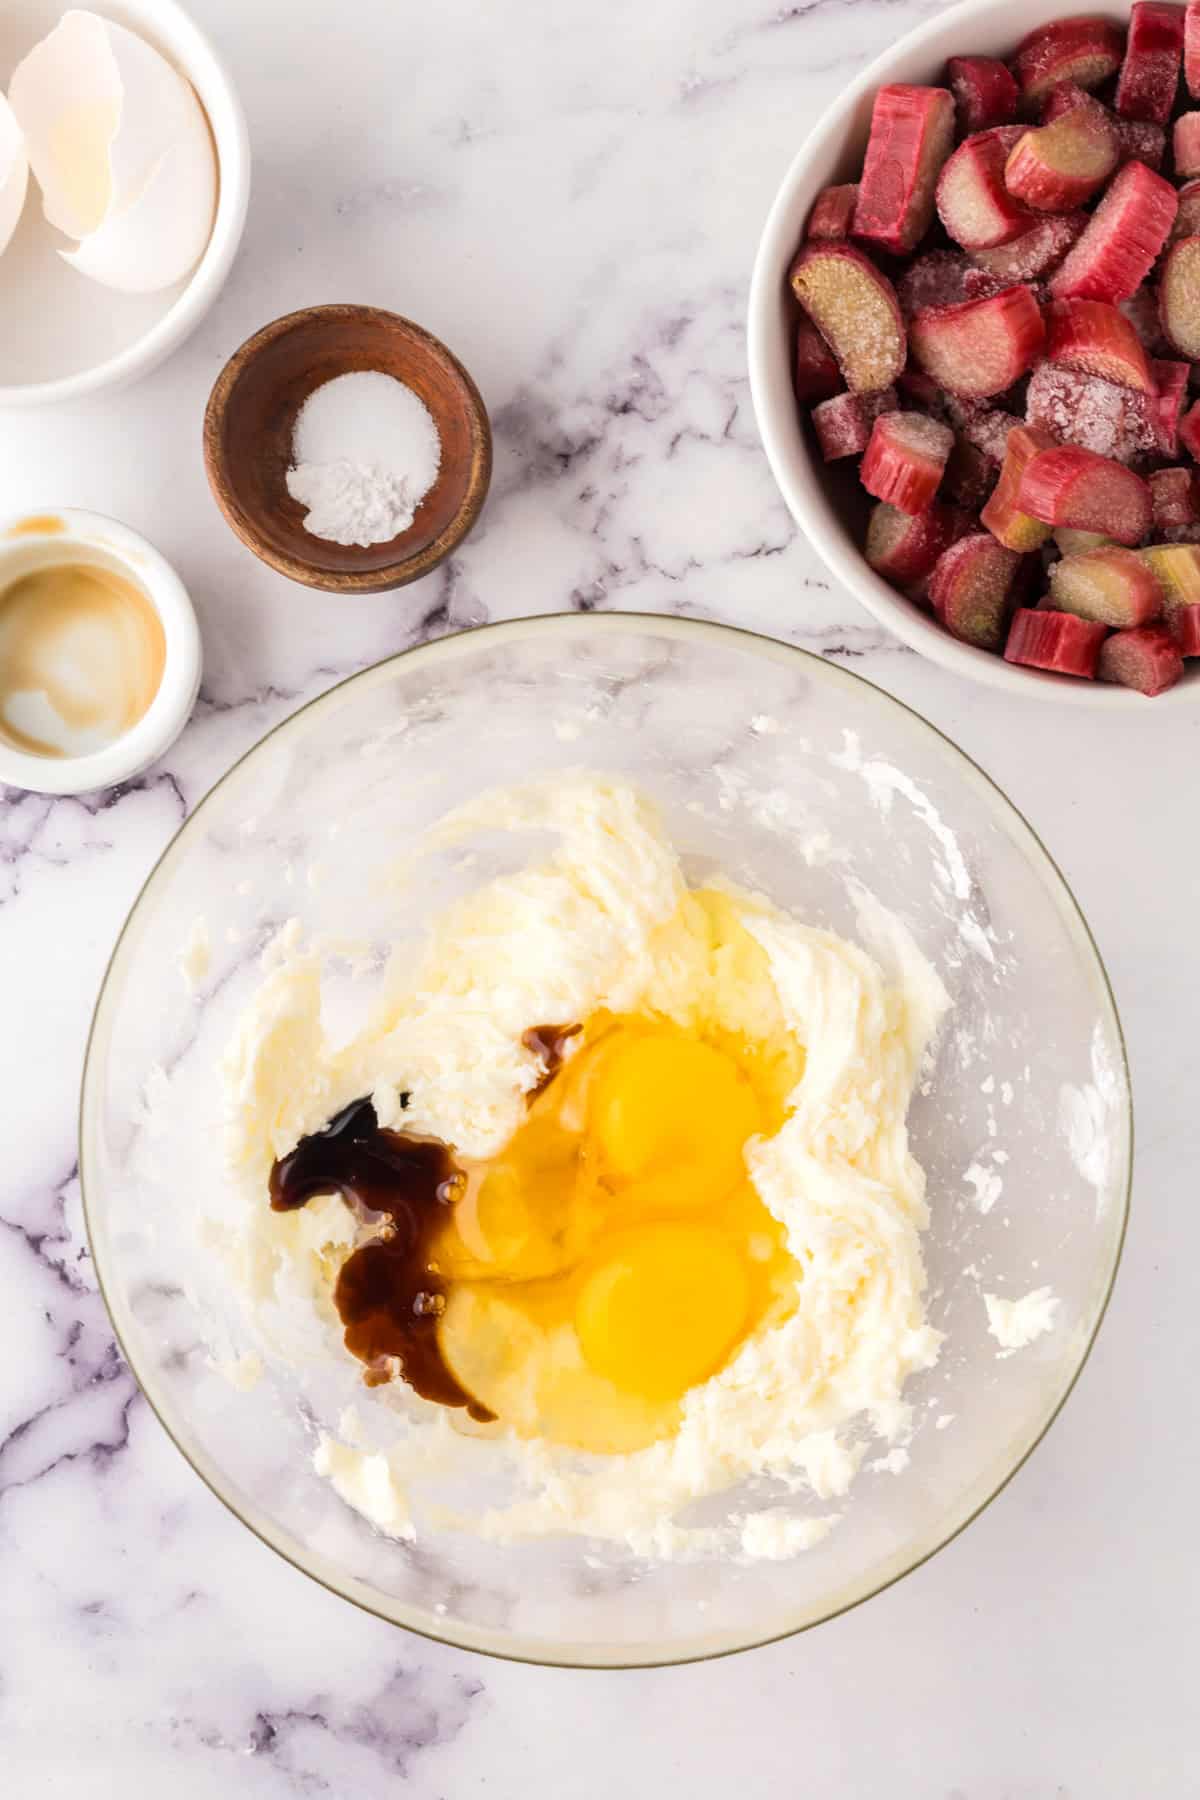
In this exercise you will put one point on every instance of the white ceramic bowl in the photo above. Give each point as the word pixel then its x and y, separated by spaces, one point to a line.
pixel 43 539
pixel 826 501
pixel 62 335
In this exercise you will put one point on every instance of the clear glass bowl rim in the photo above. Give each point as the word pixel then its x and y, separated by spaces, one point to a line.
pixel 490 1643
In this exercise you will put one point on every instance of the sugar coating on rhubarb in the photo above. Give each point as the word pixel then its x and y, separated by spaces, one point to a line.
pixel 1084 50
pixel 1036 251
pixel 1087 410
pixel 1146 658
pixel 1113 586
pixel 972 587
pixel 854 307
pixel 935 279
pixel 1153 52
pixel 980 347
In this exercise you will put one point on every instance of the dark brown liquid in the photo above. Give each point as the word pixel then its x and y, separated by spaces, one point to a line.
pixel 548 1043
pixel 387 1297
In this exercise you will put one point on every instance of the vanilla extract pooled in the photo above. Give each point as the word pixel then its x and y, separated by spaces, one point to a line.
pixel 388 1298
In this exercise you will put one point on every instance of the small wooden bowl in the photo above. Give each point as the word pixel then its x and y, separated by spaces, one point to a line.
pixel 251 415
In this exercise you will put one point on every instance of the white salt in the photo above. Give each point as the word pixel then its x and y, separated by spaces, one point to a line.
pixel 365 452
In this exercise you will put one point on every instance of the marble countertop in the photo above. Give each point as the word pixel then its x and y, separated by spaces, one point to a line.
pixel 571 197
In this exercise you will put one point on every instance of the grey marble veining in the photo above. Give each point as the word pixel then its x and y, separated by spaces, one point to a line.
pixel 571 197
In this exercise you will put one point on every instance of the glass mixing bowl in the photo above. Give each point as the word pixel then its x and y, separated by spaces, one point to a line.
pixel 785 773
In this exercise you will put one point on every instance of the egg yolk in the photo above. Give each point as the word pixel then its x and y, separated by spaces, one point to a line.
pixel 661 1310
pixel 615 1254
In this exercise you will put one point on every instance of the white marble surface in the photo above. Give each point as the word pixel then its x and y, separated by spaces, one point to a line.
pixel 571 196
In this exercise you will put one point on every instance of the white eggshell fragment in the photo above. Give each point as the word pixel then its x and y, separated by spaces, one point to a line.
pixel 121 149
pixel 14 173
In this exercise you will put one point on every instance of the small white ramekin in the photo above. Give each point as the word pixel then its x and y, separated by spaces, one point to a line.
pixel 166 25
pixel 824 500
pixel 61 535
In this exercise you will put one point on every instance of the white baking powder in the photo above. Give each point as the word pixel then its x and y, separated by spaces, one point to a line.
pixel 365 452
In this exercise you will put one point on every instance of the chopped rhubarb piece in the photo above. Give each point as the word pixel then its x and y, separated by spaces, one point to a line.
pixel 912 134
pixel 1055 641
pixel 979 347
pixel 1141 309
pixel 972 589
pixel 988 429
pixel 1150 73
pixel 1074 543
pixel 1191 48
pixel 970 475
pixel 1014 529
pixel 855 309
pixel 903 547
pixel 906 459
pixel 1036 252
pixel 1177 570
pixel 1140 141
pixel 1187 219
pixel 935 279
pixel 1070 486
pixel 1146 658
pixel 1084 50
pixel 1185 629
pixel 1110 586
pixel 1061 98
pixel 1179 296
pixel 984 92
pixel 832 213
pixel 1189 432
pixel 843 425
pixel 1121 240
pixel 1058 166
pixel 1095 338
pixel 817 374
pixel 1165 408
pixel 973 201
pixel 1173 498
pixel 1186 145
pixel 1096 414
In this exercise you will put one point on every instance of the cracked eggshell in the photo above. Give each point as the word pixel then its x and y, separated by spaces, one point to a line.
pixel 14 173
pixel 122 151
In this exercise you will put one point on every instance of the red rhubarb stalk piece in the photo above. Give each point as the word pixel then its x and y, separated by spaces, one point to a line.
pixel 912 134
pixel 832 213
pixel 854 307
pixel 1112 586
pixel 843 425
pixel 1083 50
pixel 984 92
pixel 1191 48
pixel 1070 486
pixel 1146 658
pixel 1092 336
pixel 1059 166
pixel 1189 432
pixel 1140 141
pixel 972 588
pixel 1173 498
pixel 1165 408
pixel 1096 414
pixel 906 459
pixel 1187 219
pixel 1121 240
pixel 979 347
pixel 1179 296
pixel 1056 641
pixel 935 279
pixel 973 202
pixel 1150 73
pixel 903 547
pixel 970 475
pixel 1185 629
pixel 1015 529
pixel 1036 251
pixel 1185 145
pixel 817 374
